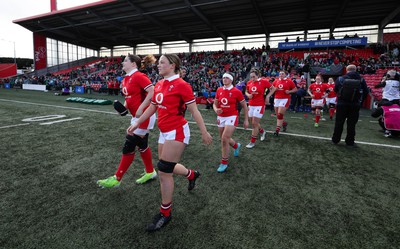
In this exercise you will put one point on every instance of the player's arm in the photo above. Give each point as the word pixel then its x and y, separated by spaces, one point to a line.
pixel 293 90
pixel 272 90
pixel 310 92
pixel 146 101
pixel 120 108
pixel 216 108
pixel 206 137
pixel 147 114
pixel 249 95
pixel 246 113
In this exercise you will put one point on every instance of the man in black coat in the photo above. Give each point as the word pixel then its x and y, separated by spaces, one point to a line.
pixel 352 90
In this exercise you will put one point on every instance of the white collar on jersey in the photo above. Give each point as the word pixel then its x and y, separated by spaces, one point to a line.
pixel 132 72
pixel 173 77
pixel 228 88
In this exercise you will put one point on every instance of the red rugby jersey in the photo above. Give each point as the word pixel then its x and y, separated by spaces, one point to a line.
pixel 228 99
pixel 257 88
pixel 134 87
pixel 281 86
pixel 331 88
pixel 318 90
pixel 170 96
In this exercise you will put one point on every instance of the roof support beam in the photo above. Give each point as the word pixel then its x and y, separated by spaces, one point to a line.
pixel 205 19
pixel 160 24
pixel 389 18
pixel 308 16
pixel 90 32
pixel 259 16
pixel 126 29
pixel 339 15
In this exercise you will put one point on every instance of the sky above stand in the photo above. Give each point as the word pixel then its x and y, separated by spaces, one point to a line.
pixel 13 34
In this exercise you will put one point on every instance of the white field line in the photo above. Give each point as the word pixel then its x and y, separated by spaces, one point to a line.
pixel 240 128
pixel 10 126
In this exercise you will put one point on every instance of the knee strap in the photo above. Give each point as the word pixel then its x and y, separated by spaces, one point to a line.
pixel 142 142
pixel 166 167
pixel 130 144
pixel 279 116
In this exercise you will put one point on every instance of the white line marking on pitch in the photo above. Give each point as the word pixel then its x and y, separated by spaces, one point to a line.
pixel 240 128
pixel 59 121
pixel 64 107
pixel 10 126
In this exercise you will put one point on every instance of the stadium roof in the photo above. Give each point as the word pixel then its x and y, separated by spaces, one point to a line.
pixel 130 22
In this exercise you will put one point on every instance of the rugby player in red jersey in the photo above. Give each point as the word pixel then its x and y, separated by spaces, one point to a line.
pixel 282 88
pixel 171 94
pixel 317 92
pixel 226 100
pixel 138 91
pixel 255 90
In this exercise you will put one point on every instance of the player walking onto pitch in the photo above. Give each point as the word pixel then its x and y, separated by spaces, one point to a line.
pixel 282 87
pixel 255 91
pixel 331 98
pixel 138 91
pixel 225 105
pixel 170 97
pixel 318 92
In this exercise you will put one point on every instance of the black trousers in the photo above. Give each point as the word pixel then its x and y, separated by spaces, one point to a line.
pixel 349 112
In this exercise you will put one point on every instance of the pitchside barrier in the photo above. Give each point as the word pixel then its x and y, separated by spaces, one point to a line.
pixel 34 87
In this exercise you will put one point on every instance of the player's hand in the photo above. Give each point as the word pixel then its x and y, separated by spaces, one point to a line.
pixel 287 91
pixel 312 96
pixel 138 113
pixel 246 123
pixel 120 108
pixel 250 96
pixel 218 111
pixel 267 101
pixel 132 128
pixel 207 138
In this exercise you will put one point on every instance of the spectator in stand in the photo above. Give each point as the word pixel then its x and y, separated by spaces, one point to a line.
pixel 110 86
pixel 287 39
pixel 300 94
pixel 225 106
pixel 170 95
pixel 116 86
pixel 297 39
pixel 241 86
pixel 390 84
pixel 282 88
pixel 138 91
pixel 331 36
pixel 319 38
pixel 318 93
pixel 255 90
pixel 331 99
pixel 389 118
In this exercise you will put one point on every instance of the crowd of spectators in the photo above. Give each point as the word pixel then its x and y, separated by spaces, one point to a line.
pixel 204 70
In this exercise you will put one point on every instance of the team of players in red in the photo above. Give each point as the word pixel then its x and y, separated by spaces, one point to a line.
pixel 171 96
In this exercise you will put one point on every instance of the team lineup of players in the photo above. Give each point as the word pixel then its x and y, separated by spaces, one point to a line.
pixel 171 96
